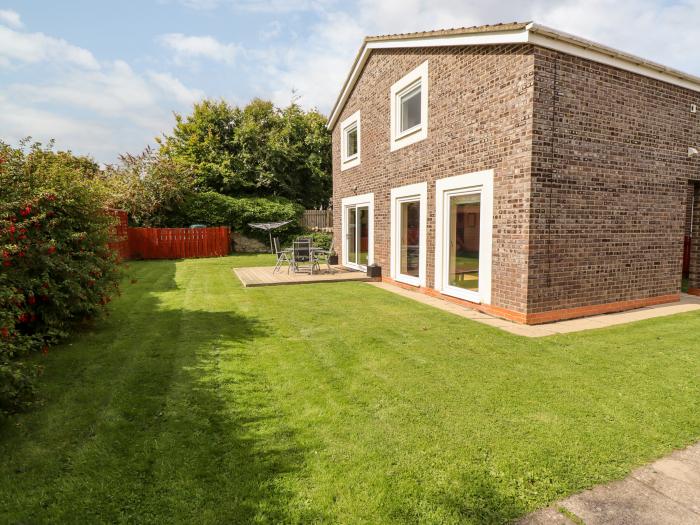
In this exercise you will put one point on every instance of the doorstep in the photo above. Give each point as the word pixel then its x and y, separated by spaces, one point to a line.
pixel 688 303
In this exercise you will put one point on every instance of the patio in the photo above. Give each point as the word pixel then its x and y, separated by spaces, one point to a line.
pixel 265 276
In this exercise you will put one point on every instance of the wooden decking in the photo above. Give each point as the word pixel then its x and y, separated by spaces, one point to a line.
pixel 263 276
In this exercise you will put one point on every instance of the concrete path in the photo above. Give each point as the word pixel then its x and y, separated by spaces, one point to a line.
pixel 688 303
pixel 667 492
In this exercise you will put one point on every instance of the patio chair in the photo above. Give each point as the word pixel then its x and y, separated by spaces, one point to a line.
pixel 324 256
pixel 282 256
pixel 303 258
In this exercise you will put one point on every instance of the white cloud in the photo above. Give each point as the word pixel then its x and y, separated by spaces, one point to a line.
pixel 271 30
pixel 316 65
pixel 170 85
pixel 17 46
pixel 260 6
pixel 101 109
pixel 192 47
pixel 10 18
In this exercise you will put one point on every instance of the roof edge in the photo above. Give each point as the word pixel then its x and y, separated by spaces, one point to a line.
pixel 516 32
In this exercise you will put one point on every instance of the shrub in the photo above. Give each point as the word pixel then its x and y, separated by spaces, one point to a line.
pixel 148 186
pixel 215 209
pixel 56 268
pixel 320 239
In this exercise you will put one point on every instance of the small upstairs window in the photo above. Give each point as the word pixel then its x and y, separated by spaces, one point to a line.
pixel 350 141
pixel 409 108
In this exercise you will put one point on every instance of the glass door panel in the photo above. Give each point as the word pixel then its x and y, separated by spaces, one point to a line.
pixel 463 261
pixel 363 237
pixel 352 235
pixel 410 238
pixel 357 235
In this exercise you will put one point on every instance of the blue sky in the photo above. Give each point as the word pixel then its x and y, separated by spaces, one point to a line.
pixel 104 77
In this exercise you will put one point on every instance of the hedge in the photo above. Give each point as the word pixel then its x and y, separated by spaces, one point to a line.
pixel 214 209
pixel 57 271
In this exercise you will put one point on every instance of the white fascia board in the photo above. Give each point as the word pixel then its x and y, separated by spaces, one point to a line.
pixel 534 34
pixel 604 55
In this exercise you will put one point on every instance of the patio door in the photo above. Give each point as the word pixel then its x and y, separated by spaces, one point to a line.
pixel 357 230
pixel 409 206
pixel 463 237
pixel 357 236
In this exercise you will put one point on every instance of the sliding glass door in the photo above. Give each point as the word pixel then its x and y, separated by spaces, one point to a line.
pixel 357 236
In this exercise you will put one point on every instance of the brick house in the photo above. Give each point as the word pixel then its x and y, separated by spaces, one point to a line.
pixel 519 170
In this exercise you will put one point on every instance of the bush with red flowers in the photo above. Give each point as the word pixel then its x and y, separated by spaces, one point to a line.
pixel 56 271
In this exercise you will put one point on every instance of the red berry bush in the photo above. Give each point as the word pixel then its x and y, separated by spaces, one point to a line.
pixel 56 271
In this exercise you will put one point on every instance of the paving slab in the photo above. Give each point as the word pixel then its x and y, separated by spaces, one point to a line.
pixel 666 492
pixel 628 502
pixel 688 303
pixel 675 480
pixel 548 516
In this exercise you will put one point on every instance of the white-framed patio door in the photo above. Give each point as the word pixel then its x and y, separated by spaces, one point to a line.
pixel 463 237
pixel 358 231
pixel 409 211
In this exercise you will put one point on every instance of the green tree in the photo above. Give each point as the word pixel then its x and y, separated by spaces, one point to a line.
pixel 258 151
pixel 148 186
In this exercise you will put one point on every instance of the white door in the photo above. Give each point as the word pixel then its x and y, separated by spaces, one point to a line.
pixel 357 218
pixel 461 245
pixel 463 236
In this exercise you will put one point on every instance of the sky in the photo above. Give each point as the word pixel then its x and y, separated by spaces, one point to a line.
pixel 104 77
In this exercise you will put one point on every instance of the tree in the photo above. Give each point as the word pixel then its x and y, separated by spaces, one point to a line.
pixel 256 151
pixel 148 186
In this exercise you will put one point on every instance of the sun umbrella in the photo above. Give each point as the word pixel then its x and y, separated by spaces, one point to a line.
pixel 268 227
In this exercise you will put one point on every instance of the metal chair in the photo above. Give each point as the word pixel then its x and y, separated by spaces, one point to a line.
pixel 282 256
pixel 324 256
pixel 303 258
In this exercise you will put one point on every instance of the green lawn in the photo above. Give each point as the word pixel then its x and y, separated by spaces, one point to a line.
pixel 199 401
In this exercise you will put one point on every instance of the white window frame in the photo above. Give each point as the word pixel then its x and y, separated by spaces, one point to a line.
pixel 479 182
pixel 411 193
pixel 358 200
pixel 347 162
pixel 399 139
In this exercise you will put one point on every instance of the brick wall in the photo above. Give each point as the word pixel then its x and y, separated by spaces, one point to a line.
pixel 609 184
pixel 591 174
pixel 480 107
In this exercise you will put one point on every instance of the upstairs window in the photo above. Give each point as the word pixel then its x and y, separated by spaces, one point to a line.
pixel 409 108
pixel 350 141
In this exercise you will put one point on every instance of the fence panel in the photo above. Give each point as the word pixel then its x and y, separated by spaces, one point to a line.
pixel 317 219
pixel 178 243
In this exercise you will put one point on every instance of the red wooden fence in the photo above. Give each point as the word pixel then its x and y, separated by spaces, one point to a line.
pixel 178 243
pixel 686 256
pixel 167 243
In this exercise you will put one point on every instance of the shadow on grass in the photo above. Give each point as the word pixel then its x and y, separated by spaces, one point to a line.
pixel 161 416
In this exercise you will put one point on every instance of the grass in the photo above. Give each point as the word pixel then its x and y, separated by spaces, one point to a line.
pixel 198 401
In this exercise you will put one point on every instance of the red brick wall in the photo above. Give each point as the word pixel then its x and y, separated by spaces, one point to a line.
pixel 609 184
pixel 590 185
pixel 480 107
